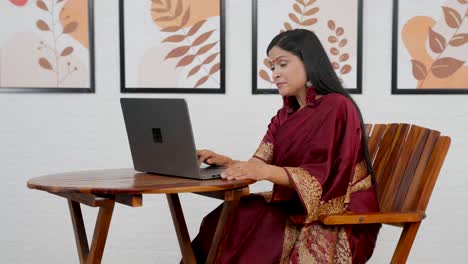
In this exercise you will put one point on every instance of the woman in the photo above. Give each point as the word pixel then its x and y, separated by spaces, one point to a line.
pixel 315 153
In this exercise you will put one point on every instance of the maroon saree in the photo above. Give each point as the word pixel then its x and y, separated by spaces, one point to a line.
pixel 319 146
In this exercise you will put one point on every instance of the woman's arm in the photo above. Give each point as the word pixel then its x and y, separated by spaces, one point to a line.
pixel 258 170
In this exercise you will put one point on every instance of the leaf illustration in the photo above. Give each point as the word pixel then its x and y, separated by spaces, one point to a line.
pixel 463 1
pixel 452 17
pixel 301 2
pixel 174 38
pixel 44 63
pixel 444 67
pixel 264 75
pixel 201 81
pixel 58 1
pixel 168 4
pixel 170 29
pixel 194 70
pixel 42 25
pixel 312 11
pixel 345 69
pixel 196 27
pixel 332 39
pixel 202 38
pixel 459 39
pixel 42 5
pixel 67 51
pixel 311 2
pixel 287 26
pixel 210 58
pixel 157 1
pixel 70 27
pixel 177 52
pixel 331 24
pixel 309 22
pixel 343 43
pixel 185 60
pixel 297 9
pixel 215 68
pixel 339 31
pixel 206 48
pixel 185 18
pixel 267 63
pixel 437 42
pixel 334 51
pixel 419 70
pixel 159 10
pixel 294 18
pixel 344 57
pixel 164 18
pixel 335 65
pixel 178 9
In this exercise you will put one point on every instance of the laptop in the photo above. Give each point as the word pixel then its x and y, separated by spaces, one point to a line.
pixel 161 139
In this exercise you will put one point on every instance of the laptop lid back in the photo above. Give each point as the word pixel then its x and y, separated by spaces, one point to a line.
pixel 160 136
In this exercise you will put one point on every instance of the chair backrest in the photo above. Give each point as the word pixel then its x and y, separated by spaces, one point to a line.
pixel 406 160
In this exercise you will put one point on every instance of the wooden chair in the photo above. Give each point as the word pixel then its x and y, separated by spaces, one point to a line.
pixel 406 160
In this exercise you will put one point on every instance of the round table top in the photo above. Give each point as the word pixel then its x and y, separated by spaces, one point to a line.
pixel 127 181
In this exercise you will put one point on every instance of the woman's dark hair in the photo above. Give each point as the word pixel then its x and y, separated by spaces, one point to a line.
pixel 307 46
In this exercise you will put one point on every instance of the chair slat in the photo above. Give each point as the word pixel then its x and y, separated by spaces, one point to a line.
pixel 374 139
pixel 386 170
pixel 396 165
pixel 414 190
pixel 412 152
pixel 432 171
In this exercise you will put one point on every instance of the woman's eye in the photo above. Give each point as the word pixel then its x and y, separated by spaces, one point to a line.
pixel 272 68
pixel 283 65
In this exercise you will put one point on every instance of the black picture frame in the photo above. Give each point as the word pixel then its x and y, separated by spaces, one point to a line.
pixel 125 89
pixel 256 90
pixel 92 82
pixel 395 42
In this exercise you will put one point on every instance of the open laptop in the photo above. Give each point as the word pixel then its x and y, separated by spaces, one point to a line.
pixel 161 140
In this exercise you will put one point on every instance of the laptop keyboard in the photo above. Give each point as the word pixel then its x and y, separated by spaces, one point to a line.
pixel 211 172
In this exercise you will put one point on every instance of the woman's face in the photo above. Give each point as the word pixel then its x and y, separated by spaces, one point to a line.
pixel 288 70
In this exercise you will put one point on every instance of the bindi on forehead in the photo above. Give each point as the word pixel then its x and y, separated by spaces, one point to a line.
pixel 281 57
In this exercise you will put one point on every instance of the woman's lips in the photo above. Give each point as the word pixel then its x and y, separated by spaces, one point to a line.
pixel 280 84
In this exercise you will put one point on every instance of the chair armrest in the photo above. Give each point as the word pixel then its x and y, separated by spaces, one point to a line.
pixel 371 218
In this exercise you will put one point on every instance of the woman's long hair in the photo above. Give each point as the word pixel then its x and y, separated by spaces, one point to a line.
pixel 307 46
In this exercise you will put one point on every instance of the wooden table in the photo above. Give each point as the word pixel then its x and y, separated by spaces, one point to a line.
pixel 103 188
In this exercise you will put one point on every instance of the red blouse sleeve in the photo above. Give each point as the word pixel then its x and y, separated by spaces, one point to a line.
pixel 265 150
pixel 322 181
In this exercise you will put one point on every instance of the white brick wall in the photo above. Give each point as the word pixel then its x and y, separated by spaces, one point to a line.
pixel 50 133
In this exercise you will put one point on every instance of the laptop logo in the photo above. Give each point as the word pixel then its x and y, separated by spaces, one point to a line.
pixel 157 136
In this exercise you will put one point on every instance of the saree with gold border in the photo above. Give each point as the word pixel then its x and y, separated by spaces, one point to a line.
pixel 320 148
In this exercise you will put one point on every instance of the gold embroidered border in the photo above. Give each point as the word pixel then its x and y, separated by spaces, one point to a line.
pixel 291 232
pixel 343 251
pixel 265 152
pixel 333 206
pixel 359 172
pixel 322 244
pixel 362 185
pixel 308 188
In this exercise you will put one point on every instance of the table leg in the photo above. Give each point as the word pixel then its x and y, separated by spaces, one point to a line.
pixel 93 255
pixel 181 228
pixel 225 221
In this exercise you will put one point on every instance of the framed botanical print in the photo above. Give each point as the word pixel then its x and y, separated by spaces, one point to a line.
pixel 172 46
pixel 47 46
pixel 430 48
pixel 337 23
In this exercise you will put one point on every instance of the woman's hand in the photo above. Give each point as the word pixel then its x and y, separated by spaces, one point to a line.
pixel 257 171
pixel 212 158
